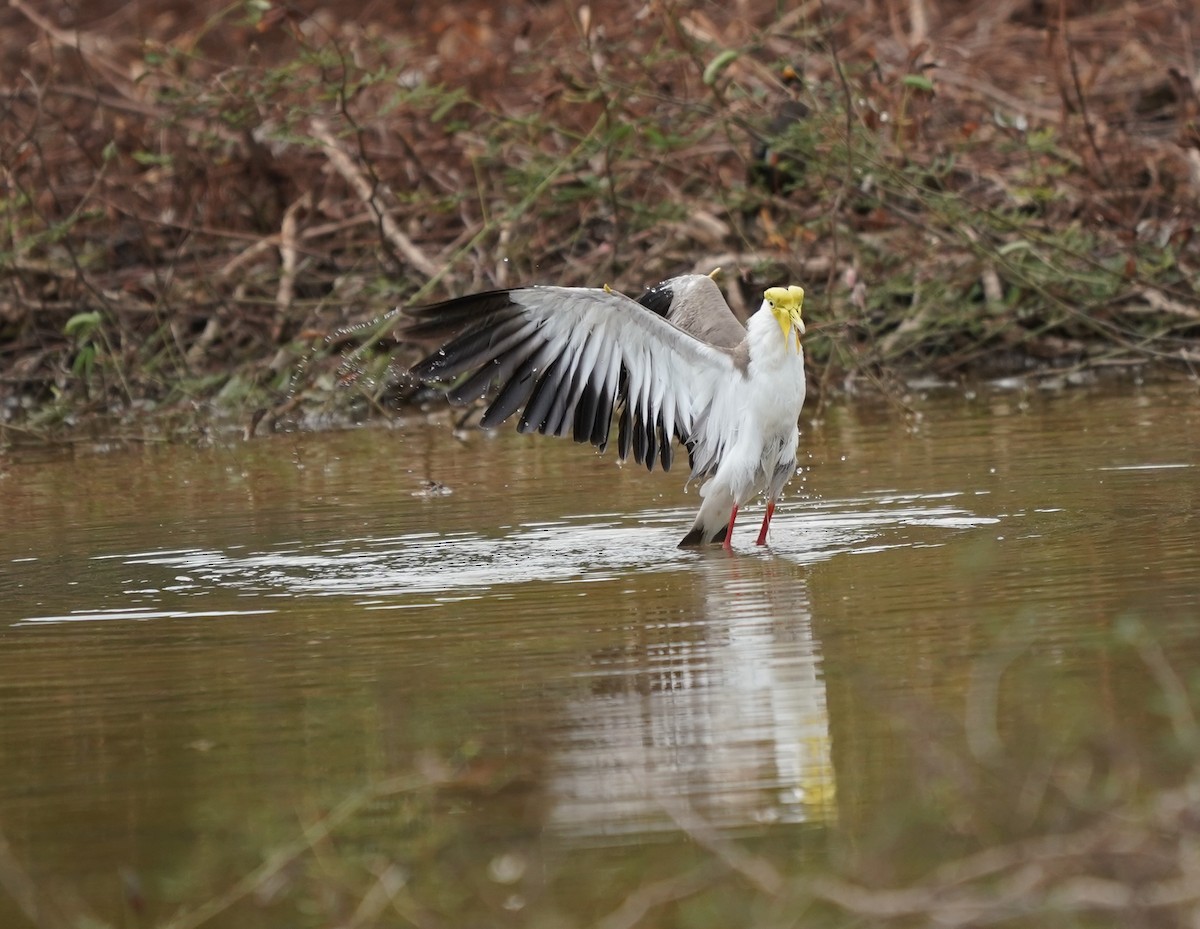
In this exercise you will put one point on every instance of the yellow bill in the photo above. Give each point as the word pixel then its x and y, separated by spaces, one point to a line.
pixel 787 303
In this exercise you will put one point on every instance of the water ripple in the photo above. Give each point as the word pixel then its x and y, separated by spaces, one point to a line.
pixel 580 549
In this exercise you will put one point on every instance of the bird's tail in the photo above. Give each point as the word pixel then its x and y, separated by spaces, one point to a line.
pixel 712 522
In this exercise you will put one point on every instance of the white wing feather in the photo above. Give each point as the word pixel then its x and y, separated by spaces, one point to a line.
pixel 547 350
pixel 669 374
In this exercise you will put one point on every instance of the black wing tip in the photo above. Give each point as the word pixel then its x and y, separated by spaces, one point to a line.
pixel 498 297
pixel 695 537
pixel 448 318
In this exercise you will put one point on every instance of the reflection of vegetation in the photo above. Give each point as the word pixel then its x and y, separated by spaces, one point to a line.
pixel 1100 839
pixel 247 179
pixel 1016 827
pixel 1104 847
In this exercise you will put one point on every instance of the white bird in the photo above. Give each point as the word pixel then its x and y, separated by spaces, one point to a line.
pixel 674 364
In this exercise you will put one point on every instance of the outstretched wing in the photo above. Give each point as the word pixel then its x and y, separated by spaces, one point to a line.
pixel 568 358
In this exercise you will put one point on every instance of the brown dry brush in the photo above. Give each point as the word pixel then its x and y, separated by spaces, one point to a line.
pixel 195 198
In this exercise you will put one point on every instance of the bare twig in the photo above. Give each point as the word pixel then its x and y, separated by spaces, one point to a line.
pixel 353 175
pixel 1080 98
pixel 758 871
pixel 288 258
pixel 649 897
pixel 20 886
pixel 285 856
pixel 88 46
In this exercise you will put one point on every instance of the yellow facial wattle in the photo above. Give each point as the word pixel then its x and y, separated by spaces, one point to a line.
pixel 786 304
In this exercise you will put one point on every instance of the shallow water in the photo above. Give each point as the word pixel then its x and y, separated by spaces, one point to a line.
pixel 202 651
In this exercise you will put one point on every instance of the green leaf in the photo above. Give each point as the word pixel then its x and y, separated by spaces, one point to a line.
pixel 85 361
pixel 151 158
pixel 918 82
pixel 82 325
pixel 453 99
pixel 719 64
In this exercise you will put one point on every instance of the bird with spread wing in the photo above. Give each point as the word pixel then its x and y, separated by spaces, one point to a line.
pixel 675 364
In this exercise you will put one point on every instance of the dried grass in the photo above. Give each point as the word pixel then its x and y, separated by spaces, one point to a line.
pixel 977 187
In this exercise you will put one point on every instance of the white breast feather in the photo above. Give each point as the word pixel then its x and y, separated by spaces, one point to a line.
pixel 752 427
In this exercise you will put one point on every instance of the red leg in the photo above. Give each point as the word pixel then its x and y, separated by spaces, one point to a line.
pixel 729 531
pixel 762 535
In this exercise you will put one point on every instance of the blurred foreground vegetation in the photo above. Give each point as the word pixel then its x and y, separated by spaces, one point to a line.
pixel 1071 817
pixel 195 199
